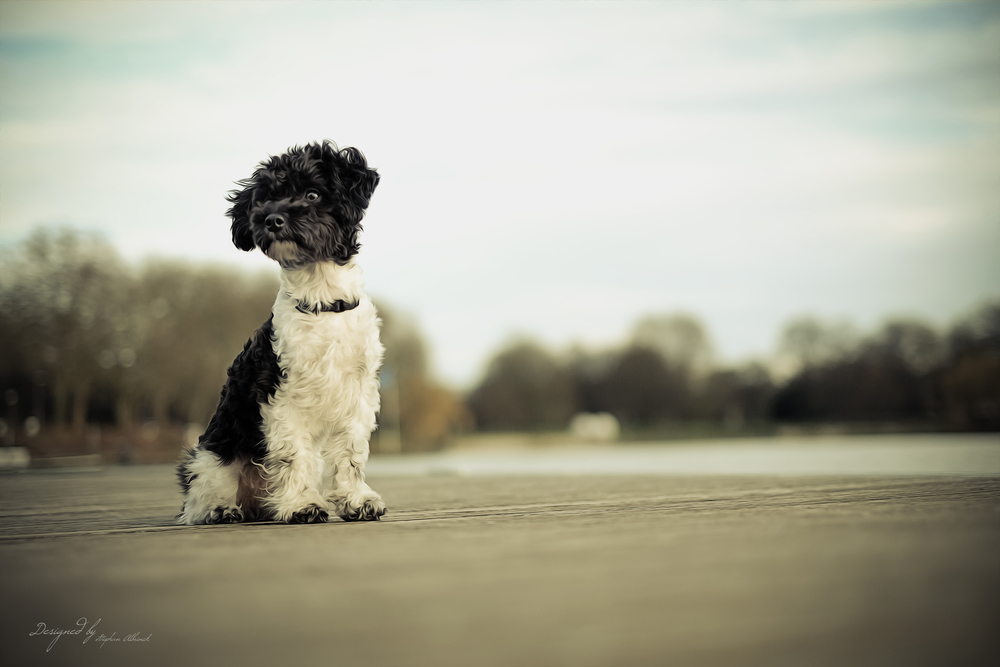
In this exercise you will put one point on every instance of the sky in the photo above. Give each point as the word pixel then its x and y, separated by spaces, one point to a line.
pixel 548 170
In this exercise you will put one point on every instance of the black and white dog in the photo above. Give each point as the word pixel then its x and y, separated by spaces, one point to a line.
pixel 289 440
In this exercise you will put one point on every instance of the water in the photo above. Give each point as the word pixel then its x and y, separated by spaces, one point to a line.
pixel 950 454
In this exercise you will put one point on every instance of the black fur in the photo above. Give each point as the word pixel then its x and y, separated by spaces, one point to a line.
pixel 365 513
pixel 184 474
pixel 324 229
pixel 224 515
pixel 311 514
pixel 235 429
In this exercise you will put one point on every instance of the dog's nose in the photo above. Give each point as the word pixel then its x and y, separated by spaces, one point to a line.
pixel 274 221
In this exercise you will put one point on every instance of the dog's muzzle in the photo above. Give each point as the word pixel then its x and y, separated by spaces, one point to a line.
pixel 275 222
pixel 286 253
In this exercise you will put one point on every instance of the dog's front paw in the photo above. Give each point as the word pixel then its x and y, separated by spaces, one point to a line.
pixel 225 515
pixel 310 514
pixel 369 508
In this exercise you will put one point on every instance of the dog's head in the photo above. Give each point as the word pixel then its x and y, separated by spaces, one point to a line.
pixel 304 206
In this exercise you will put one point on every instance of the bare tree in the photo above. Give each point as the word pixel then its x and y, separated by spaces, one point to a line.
pixel 61 289
pixel 418 410
pixel 807 341
pixel 681 341
pixel 971 381
pixel 525 388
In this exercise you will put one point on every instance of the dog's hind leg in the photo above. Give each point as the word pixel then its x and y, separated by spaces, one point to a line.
pixel 211 489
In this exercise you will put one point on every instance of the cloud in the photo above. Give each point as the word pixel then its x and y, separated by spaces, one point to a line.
pixel 741 161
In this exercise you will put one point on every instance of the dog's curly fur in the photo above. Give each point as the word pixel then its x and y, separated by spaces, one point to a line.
pixel 289 440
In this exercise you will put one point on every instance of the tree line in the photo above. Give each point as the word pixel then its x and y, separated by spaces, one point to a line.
pixel 904 375
pixel 905 372
pixel 87 339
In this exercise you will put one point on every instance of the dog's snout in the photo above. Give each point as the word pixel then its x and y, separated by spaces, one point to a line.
pixel 274 221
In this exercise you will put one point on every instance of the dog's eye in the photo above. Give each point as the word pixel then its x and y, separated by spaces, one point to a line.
pixel 312 195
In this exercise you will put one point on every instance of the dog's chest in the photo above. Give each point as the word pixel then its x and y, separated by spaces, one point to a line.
pixel 327 358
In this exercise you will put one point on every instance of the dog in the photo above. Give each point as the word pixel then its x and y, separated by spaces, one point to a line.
pixel 289 439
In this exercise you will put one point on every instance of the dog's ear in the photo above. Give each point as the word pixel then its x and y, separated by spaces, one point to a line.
pixel 242 201
pixel 348 171
pixel 360 179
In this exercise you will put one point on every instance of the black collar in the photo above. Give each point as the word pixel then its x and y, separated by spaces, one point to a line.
pixel 337 306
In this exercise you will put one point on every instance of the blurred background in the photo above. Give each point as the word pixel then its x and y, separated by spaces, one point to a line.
pixel 596 221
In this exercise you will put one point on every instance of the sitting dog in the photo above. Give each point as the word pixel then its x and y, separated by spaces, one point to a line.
pixel 289 440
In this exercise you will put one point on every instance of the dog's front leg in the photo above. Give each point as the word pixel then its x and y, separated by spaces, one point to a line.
pixel 352 499
pixel 294 472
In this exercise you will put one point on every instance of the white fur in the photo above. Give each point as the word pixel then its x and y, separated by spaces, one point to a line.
pixel 213 487
pixel 318 423
pixel 323 413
